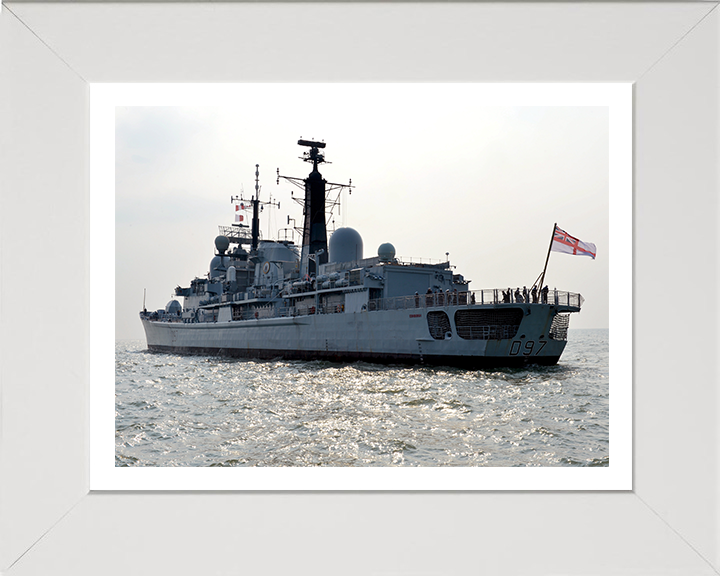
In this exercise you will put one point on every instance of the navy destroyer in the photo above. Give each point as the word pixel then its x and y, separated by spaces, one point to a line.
pixel 323 300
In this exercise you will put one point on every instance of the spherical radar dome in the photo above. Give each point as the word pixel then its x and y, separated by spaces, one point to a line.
pixel 386 252
pixel 222 243
pixel 345 245
pixel 173 307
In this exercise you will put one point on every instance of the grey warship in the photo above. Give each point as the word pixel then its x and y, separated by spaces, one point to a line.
pixel 323 300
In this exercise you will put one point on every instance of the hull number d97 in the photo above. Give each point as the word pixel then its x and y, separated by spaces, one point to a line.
pixel 527 348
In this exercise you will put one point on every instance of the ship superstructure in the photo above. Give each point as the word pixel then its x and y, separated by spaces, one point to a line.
pixel 323 300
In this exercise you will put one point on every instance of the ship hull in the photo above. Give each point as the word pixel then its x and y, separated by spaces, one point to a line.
pixel 376 357
pixel 385 336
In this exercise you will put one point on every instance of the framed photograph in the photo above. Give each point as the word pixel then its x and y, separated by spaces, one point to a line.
pixel 454 159
pixel 60 510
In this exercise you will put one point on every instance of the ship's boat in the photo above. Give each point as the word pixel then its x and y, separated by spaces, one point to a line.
pixel 323 300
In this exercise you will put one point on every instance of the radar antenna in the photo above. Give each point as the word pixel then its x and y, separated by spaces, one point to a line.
pixel 313 155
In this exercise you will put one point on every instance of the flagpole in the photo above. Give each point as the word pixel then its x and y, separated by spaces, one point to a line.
pixel 552 237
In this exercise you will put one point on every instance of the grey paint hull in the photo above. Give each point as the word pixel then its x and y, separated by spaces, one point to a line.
pixel 387 336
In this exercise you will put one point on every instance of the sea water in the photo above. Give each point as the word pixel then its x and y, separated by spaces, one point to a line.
pixel 174 410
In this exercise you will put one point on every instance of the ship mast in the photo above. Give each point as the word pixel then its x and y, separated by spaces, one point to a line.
pixel 314 235
pixel 257 207
pixel 314 229
pixel 256 210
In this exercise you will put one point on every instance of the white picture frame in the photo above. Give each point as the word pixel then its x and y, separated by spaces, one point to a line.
pixel 50 52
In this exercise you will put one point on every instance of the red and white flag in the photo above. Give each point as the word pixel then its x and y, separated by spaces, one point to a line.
pixel 563 242
pixel 238 217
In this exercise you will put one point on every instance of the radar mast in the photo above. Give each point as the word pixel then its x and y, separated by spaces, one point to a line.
pixel 314 233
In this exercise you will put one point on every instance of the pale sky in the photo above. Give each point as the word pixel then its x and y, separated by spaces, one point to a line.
pixel 434 172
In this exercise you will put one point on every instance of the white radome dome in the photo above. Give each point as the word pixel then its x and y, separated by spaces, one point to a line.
pixel 386 252
pixel 345 245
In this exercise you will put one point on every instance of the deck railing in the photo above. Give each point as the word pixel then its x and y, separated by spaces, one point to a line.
pixel 475 297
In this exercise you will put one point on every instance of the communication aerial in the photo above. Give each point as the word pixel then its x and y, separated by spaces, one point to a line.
pixel 257 205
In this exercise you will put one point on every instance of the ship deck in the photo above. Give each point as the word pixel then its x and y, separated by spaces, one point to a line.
pixel 273 306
